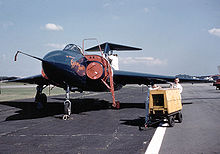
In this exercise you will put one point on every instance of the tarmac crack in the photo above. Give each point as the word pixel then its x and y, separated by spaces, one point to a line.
pixel 7 133
pixel 12 133
pixel 115 137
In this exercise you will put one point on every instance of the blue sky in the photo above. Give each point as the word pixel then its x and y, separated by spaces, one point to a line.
pixel 176 36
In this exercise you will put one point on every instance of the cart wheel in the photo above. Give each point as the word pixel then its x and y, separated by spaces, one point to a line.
pixel 171 121
pixel 179 117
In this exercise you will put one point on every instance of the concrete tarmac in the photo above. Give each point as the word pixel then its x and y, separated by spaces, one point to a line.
pixel 94 127
pixel 199 133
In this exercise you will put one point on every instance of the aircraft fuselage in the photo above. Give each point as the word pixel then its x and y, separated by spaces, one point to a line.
pixel 70 67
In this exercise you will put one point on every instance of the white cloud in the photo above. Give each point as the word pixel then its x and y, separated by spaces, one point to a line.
pixel 106 5
pixel 54 27
pixel 56 46
pixel 7 24
pixel 115 17
pixel 214 31
pixel 111 4
pixel 142 60
pixel 146 10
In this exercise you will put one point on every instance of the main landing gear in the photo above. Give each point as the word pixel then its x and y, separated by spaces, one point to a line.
pixel 67 105
pixel 40 98
pixel 41 101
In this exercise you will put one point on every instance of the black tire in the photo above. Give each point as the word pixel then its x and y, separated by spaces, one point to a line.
pixel 41 100
pixel 179 117
pixel 171 121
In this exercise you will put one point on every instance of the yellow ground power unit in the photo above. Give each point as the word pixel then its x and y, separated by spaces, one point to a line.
pixel 165 104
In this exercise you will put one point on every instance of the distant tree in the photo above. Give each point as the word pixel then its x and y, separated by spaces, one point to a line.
pixel 7 78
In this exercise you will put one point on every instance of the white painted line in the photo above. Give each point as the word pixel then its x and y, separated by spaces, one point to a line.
pixel 156 141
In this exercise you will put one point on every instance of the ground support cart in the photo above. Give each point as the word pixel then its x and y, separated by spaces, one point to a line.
pixel 165 104
pixel 217 84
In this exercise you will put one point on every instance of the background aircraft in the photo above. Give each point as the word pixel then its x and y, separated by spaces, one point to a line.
pixel 74 70
pixel 217 79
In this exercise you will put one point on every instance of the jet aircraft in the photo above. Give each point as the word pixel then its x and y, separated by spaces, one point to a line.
pixel 217 80
pixel 74 70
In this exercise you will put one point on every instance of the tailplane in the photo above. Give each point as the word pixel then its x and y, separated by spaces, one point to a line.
pixel 107 47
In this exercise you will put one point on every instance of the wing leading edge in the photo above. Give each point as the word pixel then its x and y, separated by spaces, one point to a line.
pixel 124 77
pixel 37 79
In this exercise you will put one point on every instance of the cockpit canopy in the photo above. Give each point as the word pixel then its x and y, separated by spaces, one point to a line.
pixel 73 47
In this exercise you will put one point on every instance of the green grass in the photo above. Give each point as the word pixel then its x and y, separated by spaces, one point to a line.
pixel 8 94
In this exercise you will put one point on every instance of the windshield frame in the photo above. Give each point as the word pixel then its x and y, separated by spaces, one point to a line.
pixel 74 48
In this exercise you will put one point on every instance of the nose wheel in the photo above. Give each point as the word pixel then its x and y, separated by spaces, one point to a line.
pixel 67 109
pixel 67 105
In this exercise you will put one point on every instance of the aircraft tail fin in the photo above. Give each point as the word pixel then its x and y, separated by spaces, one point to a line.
pixel 106 47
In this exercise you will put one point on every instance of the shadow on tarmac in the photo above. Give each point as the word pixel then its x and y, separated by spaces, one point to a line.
pixel 29 109
pixel 188 103
pixel 135 122
pixel 140 122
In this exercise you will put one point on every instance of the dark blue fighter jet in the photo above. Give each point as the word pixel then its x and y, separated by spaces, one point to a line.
pixel 73 70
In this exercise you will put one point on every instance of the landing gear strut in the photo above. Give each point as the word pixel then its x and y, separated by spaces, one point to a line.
pixel 40 98
pixel 67 105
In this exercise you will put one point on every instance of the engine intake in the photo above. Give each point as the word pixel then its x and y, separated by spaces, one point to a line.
pixel 94 70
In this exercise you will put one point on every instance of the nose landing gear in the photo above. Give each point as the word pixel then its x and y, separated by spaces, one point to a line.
pixel 67 105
